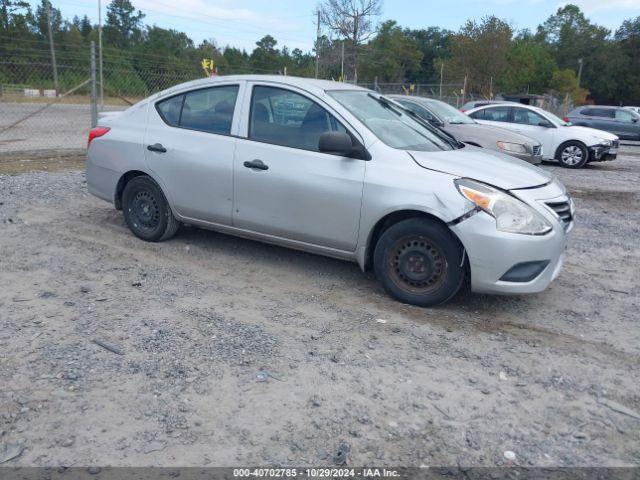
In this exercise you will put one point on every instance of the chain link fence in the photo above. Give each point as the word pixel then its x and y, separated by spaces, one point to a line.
pixel 38 114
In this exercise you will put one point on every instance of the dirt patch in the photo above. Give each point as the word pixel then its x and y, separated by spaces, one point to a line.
pixel 227 351
pixel 14 164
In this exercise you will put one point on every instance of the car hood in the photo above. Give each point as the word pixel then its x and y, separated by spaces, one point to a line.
pixel 486 134
pixel 592 132
pixel 486 166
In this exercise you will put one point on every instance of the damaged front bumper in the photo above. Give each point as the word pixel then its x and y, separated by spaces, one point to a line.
pixel 604 151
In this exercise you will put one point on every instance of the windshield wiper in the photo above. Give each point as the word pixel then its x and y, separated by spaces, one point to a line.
pixel 386 103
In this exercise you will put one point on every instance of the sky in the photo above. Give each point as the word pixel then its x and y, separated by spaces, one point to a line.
pixel 241 23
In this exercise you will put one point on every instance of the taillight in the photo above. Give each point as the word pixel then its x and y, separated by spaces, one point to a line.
pixel 96 132
pixel 566 119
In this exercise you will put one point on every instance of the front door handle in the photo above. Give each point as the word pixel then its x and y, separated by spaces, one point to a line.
pixel 156 147
pixel 256 164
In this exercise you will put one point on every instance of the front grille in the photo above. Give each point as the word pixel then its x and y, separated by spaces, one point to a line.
pixel 537 150
pixel 564 210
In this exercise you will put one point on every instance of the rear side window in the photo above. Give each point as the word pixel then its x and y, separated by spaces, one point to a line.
pixel 598 112
pixel 206 110
pixel 496 114
pixel 170 110
pixel 283 117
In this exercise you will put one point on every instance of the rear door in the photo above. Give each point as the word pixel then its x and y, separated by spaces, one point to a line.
pixel 283 186
pixel 189 147
pixel 600 118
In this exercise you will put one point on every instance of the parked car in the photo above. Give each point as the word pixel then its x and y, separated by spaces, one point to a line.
pixel 623 122
pixel 572 146
pixel 334 169
pixel 467 130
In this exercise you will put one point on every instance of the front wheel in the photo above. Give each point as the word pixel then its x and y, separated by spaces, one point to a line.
pixel 572 155
pixel 147 211
pixel 419 262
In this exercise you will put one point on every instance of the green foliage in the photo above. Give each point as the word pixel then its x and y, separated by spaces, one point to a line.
pixel 390 54
pixel 141 59
pixel 529 67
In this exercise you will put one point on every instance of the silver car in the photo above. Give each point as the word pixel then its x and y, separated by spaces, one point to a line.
pixel 337 170
pixel 467 130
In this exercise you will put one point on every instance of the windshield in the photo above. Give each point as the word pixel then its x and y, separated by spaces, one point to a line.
pixel 389 123
pixel 554 119
pixel 447 113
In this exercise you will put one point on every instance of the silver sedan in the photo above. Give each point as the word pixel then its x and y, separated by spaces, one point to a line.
pixel 337 170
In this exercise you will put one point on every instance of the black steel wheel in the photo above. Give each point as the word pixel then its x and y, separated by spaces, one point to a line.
pixel 146 210
pixel 419 261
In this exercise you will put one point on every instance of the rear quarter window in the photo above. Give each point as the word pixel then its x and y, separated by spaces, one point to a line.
pixel 170 110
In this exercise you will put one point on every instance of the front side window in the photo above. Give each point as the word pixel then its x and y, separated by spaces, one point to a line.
pixel 283 117
pixel 389 123
pixel 625 116
pixel 526 117
pixel 207 110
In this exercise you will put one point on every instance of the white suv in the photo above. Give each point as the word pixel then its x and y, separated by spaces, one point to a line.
pixel 572 146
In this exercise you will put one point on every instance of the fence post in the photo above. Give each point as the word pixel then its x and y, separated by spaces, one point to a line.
pixel 94 96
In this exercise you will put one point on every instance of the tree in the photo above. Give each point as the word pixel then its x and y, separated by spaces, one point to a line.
pixel 8 9
pixel 434 43
pixel 390 55
pixel 480 52
pixel 571 37
pixel 565 82
pixel 530 66
pixel 350 20
pixel 122 28
pixel 628 41
pixel 264 57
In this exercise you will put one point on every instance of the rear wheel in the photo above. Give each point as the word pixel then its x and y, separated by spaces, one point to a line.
pixel 420 262
pixel 147 211
pixel 572 155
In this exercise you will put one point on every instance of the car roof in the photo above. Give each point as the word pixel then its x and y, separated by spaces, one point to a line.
pixel 311 84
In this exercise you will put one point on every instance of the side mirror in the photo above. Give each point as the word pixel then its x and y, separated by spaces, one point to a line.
pixel 340 143
pixel 634 120
pixel 544 123
pixel 436 123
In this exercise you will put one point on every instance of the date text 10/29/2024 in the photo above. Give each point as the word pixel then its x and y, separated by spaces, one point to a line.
pixel 285 473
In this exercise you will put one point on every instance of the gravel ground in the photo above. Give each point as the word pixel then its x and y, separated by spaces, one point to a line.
pixel 223 351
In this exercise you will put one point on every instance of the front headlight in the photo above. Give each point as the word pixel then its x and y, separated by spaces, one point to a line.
pixel 511 214
pixel 606 143
pixel 511 147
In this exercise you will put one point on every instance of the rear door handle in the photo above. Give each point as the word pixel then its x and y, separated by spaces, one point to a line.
pixel 256 164
pixel 156 147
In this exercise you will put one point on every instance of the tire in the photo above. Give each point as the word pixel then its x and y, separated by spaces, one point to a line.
pixel 420 262
pixel 572 154
pixel 146 210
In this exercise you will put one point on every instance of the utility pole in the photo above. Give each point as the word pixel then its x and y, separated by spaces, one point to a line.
pixel 441 72
pixel 318 45
pixel 100 53
pixel 579 71
pixel 53 50
pixel 342 63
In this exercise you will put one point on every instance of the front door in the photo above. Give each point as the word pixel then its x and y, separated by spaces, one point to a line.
pixel 529 123
pixel 285 187
pixel 189 148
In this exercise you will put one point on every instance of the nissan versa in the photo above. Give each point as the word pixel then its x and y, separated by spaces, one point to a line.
pixel 337 170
